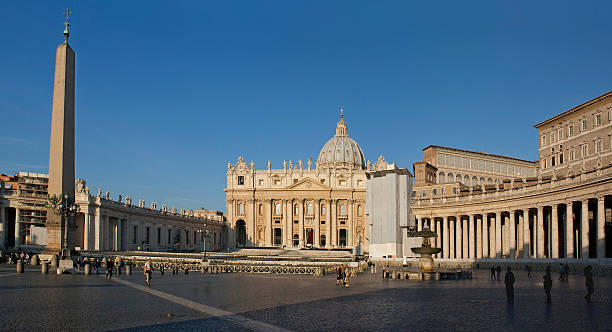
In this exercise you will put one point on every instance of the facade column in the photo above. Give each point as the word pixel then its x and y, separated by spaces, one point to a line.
pixel 316 209
pixel 470 229
pixel 120 234
pixel 333 222
pixel 327 223
pixel 584 230
pixel 350 231
pixel 540 233
pixel 438 235
pixel 512 234
pixel 419 224
pixel 452 236
pixel 86 230
pixel 505 235
pixel 269 229
pixel 486 237
pixel 601 223
pixel 498 238
pixel 569 230
pixel 289 222
pixel 492 245
pixel 554 219
pixel 98 229
pixel 479 246
pixel 19 229
pixel 464 234
pixel 302 242
pixel 445 237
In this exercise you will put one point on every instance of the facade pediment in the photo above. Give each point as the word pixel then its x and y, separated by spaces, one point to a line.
pixel 308 184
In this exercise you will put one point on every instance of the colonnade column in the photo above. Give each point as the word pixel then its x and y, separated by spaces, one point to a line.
pixel 498 238
pixel 554 219
pixel 464 238
pixel 86 230
pixel 98 229
pixel 302 241
pixel 445 238
pixel 452 237
pixel 470 229
pixel 512 233
pixel 505 235
pixel 19 228
pixel 486 237
pixel 584 230
pixel 569 230
pixel 269 229
pixel 350 232
pixel 334 216
pixel 479 246
pixel 540 233
pixel 328 223
pixel 439 234
pixel 317 222
pixel 288 223
pixel 601 222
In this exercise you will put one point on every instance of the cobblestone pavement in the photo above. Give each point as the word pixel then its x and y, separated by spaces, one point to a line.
pixel 302 303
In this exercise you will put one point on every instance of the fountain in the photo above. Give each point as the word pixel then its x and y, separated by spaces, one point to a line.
pixel 426 263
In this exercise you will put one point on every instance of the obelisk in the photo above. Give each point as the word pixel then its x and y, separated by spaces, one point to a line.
pixel 61 152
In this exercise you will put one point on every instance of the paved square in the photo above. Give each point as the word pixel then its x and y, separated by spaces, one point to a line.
pixel 227 302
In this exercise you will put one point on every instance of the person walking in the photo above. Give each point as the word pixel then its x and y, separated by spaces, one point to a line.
pixel 339 275
pixel 492 272
pixel 97 264
pixel 148 271
pixel 566 271
pixel 498 269
pixel 109 268
pixel 509 281
pixel 547 284
pixel 588 281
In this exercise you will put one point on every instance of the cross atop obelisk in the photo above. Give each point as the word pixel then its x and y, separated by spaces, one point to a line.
pixel 61 152
pixel 67 24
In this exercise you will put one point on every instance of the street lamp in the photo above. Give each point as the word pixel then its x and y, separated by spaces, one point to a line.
pixel 205 234
pixel 65 207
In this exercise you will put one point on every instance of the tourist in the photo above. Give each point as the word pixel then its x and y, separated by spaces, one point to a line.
pixel 509 281
pixel 566 270
pixel 343 275
pixel 339 275
pixel 492 272
pixel 498 269
pixel 347 272
pixel 148 271
pixel 109 268
pixel 97 265
pixel 547 284
pixel 528 270
pixel 588 281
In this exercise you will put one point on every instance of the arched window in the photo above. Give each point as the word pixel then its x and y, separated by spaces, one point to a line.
pixel 260 209
pixel 482 180
pixel 458 178
pixel 343 209
pixel 466 180
pixel 323 210
pixel 277 209
pixel 450 178
pixel 489 180
pixel 359 210
pixel 441 178
pixel 240 208
pixel 474 180
pixel 296 210
pixel 309 209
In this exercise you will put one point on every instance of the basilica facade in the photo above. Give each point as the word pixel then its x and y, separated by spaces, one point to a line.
pixel 320 205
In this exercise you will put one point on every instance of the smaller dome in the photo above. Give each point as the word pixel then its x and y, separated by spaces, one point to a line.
pixel 341 150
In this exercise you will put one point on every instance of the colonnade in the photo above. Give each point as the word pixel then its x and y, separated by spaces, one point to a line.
pixel 562 229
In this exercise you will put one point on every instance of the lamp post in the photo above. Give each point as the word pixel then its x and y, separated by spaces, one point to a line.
pixel 205 234
pixel 65 207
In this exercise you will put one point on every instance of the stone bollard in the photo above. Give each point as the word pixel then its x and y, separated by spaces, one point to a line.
pixel 128 270
pixel 54 261
pixel 44 268
pixel 87 269
pixel 19 267
pixel 34 260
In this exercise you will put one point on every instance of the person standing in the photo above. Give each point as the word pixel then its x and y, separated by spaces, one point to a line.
pixel 492 272
pixel 148 271
pixel 528 271
pixel 547 284
pixel 498 269
pixel 509 281
pixel 339 275
pixel 588 281
pixel 347 272
pixel 109 268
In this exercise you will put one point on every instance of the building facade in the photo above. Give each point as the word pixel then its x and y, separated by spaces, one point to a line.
pixel 561 211
pixel 301 205
pixel 103 224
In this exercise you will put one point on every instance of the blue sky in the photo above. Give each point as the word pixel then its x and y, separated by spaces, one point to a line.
pixel 169 91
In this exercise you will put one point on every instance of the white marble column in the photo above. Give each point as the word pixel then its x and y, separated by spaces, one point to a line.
pixel 269 229
pixel 120 234
pixel 98 230
pixel 526 234
pixel 584 230
pixel 19 229
pixel 419 224
pixel 328 223
pixel 289 222
pixel 300 215
pixel 86 230
pixel 554 219
pixel 438 224
pixel 492 238
pixel 479 242
pixel 540 233
pixel 464 235
pixel 505 236
pixel 486 236
pixel 601 222
pixel 498 238
pixel 350 231
pixel 316 209
pixel 512 234
pixel 470 229
pixel 3 226
pixel 569 230
pixel 445 237
pixel 452 236
pixel 334 226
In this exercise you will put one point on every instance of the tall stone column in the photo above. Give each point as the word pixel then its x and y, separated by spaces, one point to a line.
pixel 601 222
pixel 420 224
pixel 498 238
pixel 464 235
pixel 540 233
pixel 505 236
pixel 438 235
pixel 3 226
pixel 492 245
pixel 458 238
pixel 86 230
pixel 61 150
pixel 18 228
pixel 333 222
pixel 289 222
pixel 301 223
pixel 351 233
pixel 512 234
pixel 328 219
pixel 470 230
pixel 251 222
pixel 269 228
pixel 584 229
pixel 120 234
pixel 445 237
pixel 486 237
pixel 479 245
pixel 98 230
pixel 452 236
pixel 554 219
pixel 106 227
pixel 569 230
pixel 316 209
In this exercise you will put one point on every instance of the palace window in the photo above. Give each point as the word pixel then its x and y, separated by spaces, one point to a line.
pixel 552 136
pixel 552 161
pixel 583 125
pixel 561 158
pixel 597 119
pixel 240 208
pixel 454 190
pixel 570 130
pixel 434 192
pixel 277 209
pixel 598 146
pixel 322 240
pixel 424 193
pixel 296 209
pixel 544 165
pixel 342 182
pixel 359 182
pixel 543 140
pixel 296 222
pixel 343 209
pixel 240 180
pixel 322 222
pixel 443 190
pixel 572 154
pixel 560 134
pixel 309 209
pixel 585 150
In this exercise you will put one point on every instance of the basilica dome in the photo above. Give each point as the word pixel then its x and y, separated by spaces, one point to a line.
pixel 341 150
